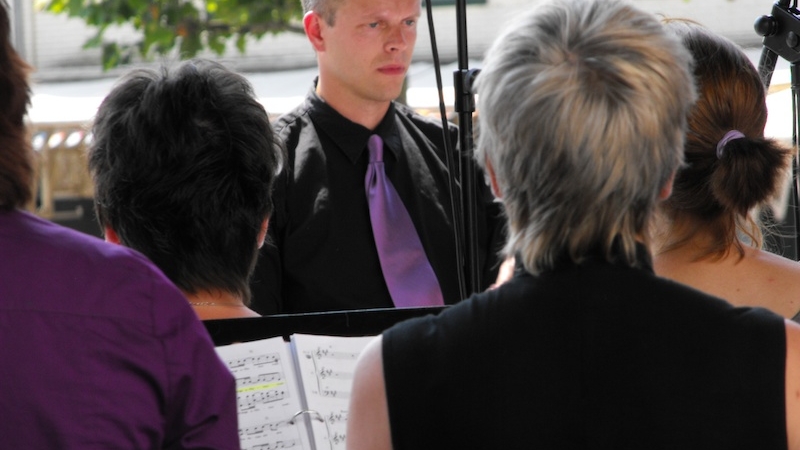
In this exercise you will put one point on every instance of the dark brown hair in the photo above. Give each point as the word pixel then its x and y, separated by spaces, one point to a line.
pixel 183 161
pixel 719 190
pixel 16 171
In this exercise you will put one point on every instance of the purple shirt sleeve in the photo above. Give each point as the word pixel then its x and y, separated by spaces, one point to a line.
pixel 100 350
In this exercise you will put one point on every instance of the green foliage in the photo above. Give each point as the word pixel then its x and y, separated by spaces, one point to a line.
pixel 187 26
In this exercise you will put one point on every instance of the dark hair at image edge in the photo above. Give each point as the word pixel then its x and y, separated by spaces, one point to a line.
pixel 16 170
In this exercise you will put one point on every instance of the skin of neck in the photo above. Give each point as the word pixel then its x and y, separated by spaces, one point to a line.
pixel 689 239
pixel 364 113
pixel 214 296
pixel 226 305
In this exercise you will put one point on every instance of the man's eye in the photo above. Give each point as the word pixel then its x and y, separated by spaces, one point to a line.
pixel 373 25
pixel 410 22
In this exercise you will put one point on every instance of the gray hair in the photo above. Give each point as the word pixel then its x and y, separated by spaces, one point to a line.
pixel 582 115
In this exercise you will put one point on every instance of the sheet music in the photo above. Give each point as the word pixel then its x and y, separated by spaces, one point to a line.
pixel 267 394
pixel 326 365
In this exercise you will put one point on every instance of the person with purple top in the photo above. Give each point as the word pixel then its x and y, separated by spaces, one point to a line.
pixel 99 348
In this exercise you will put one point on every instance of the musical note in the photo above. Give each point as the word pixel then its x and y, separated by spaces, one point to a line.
pixel 273 411
pixel 326 366
pixel 259 429
pixel 338 438
pixel 250 401
pixel 267 395
pixel 334 417
pixel 327 372
pixel 276 445
pixel 322 353
pixel 259 360
pixel 263 378
pixel 332 393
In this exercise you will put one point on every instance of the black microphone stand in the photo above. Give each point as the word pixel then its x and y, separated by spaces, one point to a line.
pixel 464 202
pixel 464 106
pixel 781 32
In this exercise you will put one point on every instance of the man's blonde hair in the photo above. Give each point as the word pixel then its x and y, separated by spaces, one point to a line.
pixel 325 8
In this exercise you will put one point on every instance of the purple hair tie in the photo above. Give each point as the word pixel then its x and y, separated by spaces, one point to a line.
pixel 729 136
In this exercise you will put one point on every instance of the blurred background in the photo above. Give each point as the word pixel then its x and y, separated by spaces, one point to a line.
pixel 80 47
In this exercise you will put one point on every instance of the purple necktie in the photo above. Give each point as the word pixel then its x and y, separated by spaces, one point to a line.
pixel 408 274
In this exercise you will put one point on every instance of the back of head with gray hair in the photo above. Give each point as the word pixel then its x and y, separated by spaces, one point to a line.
pixel 582 113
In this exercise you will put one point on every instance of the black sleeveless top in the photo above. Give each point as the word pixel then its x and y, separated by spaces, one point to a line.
pixel 590 356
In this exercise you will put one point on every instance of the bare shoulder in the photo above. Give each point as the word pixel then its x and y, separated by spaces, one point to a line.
pixel 370 361
pixel 776 262
pixel 779 279
pixel 793 384
pixel 760 278
pixel 368 417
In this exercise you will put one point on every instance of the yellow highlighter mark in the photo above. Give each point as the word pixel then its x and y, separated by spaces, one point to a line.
pixel 260 387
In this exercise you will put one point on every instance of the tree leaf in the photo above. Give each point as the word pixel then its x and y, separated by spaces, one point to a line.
pixel 192 26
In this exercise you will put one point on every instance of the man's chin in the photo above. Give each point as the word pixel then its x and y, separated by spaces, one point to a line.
pixel 384 93
pixel 396 93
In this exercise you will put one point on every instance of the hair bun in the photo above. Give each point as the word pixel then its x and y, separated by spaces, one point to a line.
pixel 748 173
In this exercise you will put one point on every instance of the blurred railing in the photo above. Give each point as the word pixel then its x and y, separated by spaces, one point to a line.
pixel 61 168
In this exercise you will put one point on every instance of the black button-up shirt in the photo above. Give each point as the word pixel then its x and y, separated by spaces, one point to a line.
pixel 320 254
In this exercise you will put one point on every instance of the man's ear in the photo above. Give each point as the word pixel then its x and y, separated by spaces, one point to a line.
pixel 493 180
pixel 313 24
pixel 262 233
pixel 111 235
pixel 666 190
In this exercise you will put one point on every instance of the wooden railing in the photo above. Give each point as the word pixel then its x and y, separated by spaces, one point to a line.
pixel 61 168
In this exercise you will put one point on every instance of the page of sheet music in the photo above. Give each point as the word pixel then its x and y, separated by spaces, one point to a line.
pixel 268 395
pixel 326 366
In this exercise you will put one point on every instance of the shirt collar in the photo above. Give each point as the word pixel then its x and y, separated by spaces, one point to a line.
pixel 350 137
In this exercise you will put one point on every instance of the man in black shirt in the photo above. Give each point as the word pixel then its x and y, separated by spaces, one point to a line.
pixel 321 254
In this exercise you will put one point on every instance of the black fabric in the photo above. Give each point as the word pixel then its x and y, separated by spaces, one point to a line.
pixel 595 356
pixel 320 254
